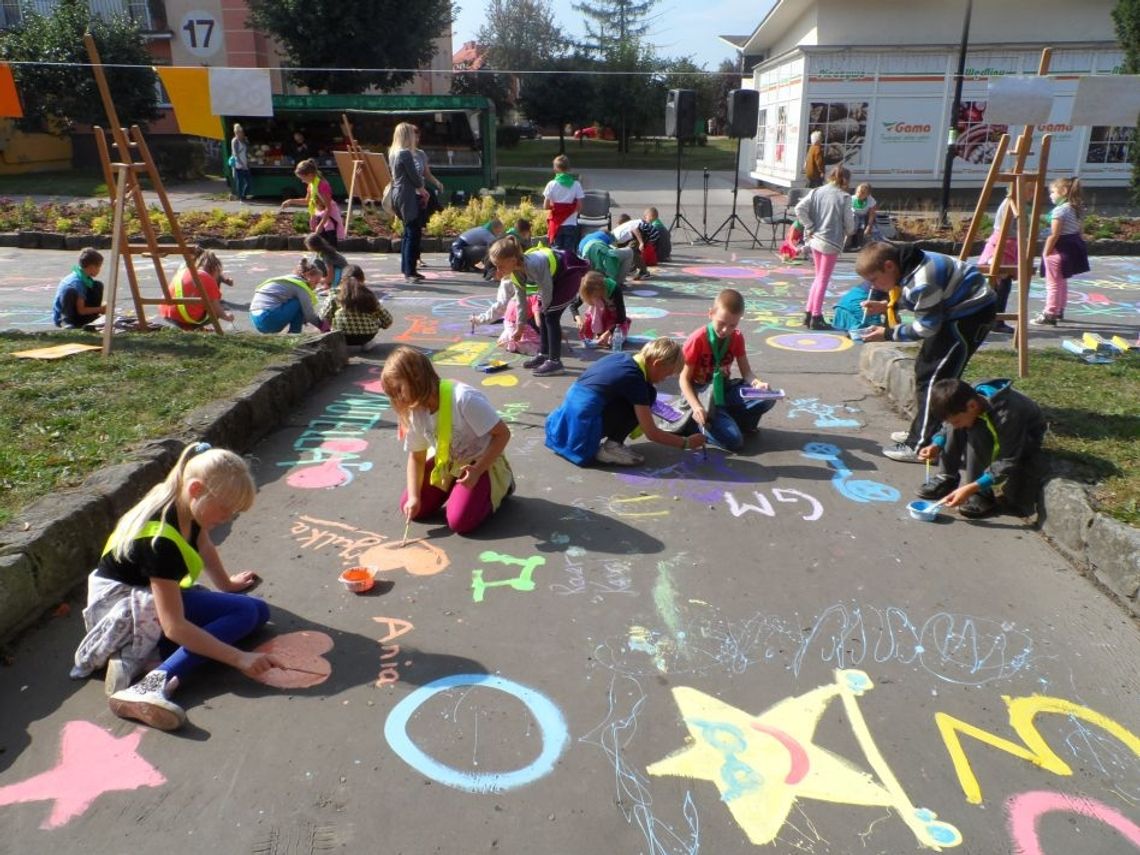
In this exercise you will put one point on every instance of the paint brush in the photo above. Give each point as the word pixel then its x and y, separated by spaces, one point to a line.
pixel 407 525
pixel 927 481
pixel 301 670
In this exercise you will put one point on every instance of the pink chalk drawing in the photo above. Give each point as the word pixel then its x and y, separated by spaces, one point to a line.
pixel 1026 809
pixel 334 472
pixel 91 762
pixel 375 387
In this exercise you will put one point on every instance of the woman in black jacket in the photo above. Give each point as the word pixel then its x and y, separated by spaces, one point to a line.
pixel 409 196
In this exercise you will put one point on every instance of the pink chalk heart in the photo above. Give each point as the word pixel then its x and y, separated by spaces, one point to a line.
pixel 501 380
pixel 300 654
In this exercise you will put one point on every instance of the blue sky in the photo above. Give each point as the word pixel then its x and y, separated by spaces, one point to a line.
pixel 682 28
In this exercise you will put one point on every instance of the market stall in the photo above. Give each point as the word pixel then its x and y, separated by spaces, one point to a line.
pixel 456 131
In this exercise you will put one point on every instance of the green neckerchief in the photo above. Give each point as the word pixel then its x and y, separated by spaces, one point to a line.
pixel 87 281
pixel 565 179
pixel 640 360
pixel 718 355
pixel 439 473
pixel 858 204
pixel 985 417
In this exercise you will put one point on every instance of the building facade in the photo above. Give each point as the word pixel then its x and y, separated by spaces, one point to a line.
pixel 876 79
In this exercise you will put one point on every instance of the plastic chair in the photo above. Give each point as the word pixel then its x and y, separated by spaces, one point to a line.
pixel 762 208
pixel 594 213
pixel 885 226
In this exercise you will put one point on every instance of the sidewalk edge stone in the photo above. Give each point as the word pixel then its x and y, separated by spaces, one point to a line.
pixel 1095 543
pixel 66 531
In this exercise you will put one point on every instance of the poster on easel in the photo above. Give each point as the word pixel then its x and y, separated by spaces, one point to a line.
pixel 1106 99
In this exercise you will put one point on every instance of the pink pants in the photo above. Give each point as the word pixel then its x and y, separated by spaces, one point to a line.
pixel 466 508
pixel 824 265
pixel 1056 286
pixel 598 322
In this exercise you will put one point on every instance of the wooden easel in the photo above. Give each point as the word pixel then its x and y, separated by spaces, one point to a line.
pixel 1026 185
pixel 365 173
pixel 122 176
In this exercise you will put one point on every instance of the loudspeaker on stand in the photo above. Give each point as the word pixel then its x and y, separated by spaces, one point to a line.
pixel 743 113
pixel 680 113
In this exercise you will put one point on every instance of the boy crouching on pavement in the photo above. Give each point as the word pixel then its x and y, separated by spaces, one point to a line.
pixel 997 433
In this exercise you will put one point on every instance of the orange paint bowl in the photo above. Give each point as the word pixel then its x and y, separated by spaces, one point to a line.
pixel 357 579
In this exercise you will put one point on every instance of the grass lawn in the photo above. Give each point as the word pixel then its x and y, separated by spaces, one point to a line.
pixel 61 420
pixel 1094 421
pixel 661 153
pixel 72 182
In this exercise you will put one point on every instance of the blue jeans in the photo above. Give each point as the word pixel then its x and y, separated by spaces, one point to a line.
pixel 227 617
pixel 736 416
pixel 567 237
pixel 408 246
pixel 288 314
pixel 242 179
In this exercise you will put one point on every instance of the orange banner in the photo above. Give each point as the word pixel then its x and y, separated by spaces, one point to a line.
pixel 189 92
pixel 9 99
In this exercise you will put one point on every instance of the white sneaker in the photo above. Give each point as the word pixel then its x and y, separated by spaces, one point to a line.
pixel 616 454
pixel 900 435
pixel 146 701
pixel 119 676
pixel 902 453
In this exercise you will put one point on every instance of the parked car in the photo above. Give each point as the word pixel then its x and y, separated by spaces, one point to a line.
pixel 528 130
pixel 593 132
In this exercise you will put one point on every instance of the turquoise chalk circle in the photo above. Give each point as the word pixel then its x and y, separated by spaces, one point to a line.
pixel 555 736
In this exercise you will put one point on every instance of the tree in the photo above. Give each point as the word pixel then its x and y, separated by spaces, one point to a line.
pixel 498 87
pixel 543 97
pixel 65 91
pixel 319 37
pixel 1126 17
pixel 616 31
pixel 521 35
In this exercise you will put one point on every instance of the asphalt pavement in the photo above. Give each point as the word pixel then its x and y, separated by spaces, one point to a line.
pixel 722 654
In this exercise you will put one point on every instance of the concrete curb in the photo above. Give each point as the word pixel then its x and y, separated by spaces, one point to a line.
pixel 1093 542
pixel 52 545
pixel 277 243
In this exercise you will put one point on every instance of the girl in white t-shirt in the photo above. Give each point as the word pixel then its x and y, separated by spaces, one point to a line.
pixel 458 425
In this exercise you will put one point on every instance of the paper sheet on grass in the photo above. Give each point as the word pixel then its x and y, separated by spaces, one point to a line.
pixel 58 351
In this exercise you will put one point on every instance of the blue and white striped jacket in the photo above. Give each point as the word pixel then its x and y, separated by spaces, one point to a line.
pixel 938 288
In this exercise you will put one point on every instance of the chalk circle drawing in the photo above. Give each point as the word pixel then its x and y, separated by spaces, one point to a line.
pixel 858 490
pixel 763 764
pixel 806 342
pixel 644 313
pixel 91 762
pixel 726 272
pixel 417 557
pixel 507 380
pixel 555 735
pixel 302 657
pixel 644 292
pixel 825 414
pixel 1025 811
pixel 334 472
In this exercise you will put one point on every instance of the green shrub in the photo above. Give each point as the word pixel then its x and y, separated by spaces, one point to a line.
pixel 178 158
pixel 300 223
pixel 63 225
pixel 266 225
pixel 101 224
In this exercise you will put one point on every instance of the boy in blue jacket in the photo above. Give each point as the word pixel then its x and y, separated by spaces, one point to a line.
pixel 79 297
pixel 995 433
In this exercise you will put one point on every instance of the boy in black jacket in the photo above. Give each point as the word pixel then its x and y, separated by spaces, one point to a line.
pixel 998 432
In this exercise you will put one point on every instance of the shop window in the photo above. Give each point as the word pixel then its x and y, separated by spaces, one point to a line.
pixel 1111 144
pixel 843 125
pixel 762 136
pixel 977 140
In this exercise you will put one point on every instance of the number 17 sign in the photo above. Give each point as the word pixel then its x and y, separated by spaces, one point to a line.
pixel 200 33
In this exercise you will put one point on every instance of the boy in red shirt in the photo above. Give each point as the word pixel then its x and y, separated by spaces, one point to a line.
pixel 706 382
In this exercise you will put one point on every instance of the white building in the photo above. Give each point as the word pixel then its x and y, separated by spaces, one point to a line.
pixel 876 77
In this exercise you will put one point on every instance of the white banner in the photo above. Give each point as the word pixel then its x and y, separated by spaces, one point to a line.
pixel 1108 99
pixel 240 92
pixel 1020 100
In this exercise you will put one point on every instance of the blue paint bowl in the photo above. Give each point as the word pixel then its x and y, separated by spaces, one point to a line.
pixel 589 343
pixel 856 335
pixel 923 510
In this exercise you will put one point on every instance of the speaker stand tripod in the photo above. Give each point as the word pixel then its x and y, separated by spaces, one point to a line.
pixel 733 217
pixel 679 218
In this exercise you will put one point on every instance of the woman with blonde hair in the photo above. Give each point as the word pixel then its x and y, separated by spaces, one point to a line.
pixel 409 196
pixel 142 597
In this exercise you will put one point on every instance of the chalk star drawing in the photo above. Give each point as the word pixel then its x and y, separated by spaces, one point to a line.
pixel 762 764
pixel 859 490
pixel 91 762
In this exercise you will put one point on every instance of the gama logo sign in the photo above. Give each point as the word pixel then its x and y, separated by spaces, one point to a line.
pixel 906 132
